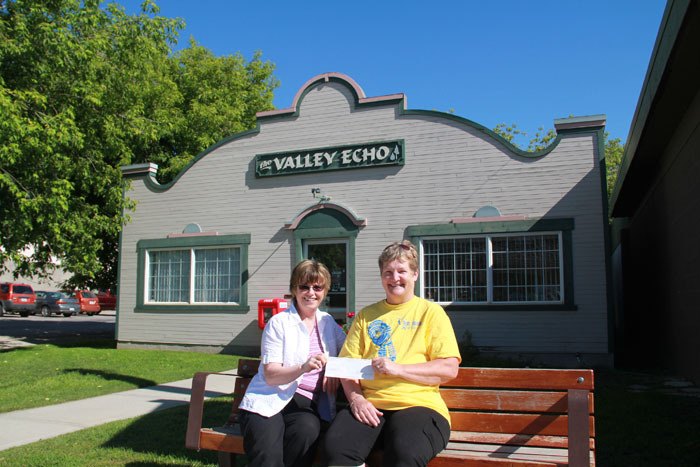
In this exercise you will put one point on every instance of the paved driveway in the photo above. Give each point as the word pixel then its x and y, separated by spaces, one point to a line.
pixel 16 331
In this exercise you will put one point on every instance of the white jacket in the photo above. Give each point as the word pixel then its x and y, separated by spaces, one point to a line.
pixel 285 340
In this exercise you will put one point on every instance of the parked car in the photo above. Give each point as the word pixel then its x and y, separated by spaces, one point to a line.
pixel 49 303
pixel 89 304
pixel 107 300
pixel 17 298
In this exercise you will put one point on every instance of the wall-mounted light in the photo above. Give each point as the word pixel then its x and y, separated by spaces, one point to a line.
pixel 321 198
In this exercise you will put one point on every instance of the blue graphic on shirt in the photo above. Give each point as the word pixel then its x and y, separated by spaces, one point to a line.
pixel 380 334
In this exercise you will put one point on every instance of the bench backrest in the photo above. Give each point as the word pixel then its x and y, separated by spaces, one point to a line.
pixel 521 406
pixel 515 406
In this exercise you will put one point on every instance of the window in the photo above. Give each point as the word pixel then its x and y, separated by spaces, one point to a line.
pixel 209 272
pixel 216 276
pixel 525 265
pixel 524 268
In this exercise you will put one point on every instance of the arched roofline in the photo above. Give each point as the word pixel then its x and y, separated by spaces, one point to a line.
pixel 354 218
pixel 351 84
pixel 563 126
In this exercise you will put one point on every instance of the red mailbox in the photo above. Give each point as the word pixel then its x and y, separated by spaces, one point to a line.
pixel 269 307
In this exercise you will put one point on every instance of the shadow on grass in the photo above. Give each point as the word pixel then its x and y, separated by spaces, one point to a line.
pixel 640 422
pixel 163 432
pixel 108 376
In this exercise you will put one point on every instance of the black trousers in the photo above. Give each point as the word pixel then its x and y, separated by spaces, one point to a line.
pixel 409 437
pixel 288 438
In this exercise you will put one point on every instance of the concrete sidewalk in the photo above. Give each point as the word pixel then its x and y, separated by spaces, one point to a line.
pixel 27 426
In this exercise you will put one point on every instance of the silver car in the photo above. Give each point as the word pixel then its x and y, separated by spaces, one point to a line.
pixel 49 303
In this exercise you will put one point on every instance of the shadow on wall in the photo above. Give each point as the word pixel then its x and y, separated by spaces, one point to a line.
pixel 243 344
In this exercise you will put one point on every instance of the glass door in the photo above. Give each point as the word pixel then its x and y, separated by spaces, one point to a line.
pixel 334 254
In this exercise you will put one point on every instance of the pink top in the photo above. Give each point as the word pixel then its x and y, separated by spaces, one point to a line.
pixel 312 382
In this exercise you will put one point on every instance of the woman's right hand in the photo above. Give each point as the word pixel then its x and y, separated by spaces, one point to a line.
pixel 315 362
pixel 364 411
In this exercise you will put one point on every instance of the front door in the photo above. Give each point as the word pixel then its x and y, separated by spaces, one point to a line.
pixel 334 255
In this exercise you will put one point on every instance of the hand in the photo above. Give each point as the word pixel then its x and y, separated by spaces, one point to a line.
pixel 364 411
pixel 315 362
pixel 385 366
pixel 330 385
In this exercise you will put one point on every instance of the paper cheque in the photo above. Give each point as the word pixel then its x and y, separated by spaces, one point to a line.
pixel 350 368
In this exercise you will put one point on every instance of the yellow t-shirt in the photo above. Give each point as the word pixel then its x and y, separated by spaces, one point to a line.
pixel 417 331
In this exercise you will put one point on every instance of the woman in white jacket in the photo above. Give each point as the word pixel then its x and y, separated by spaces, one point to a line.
pixel 286 401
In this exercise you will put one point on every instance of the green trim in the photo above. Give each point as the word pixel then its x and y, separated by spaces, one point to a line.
pixel 335 79
pixel 399 102
pixel 565 225
pixel 468 228
pixel 153 185
pixel 194 241
pixel 348 233
pixel 518 307
pixel 192 308
pixel 487 132
pixel 321 233
pixel 609 291
pixel 334 152
pixel 240 240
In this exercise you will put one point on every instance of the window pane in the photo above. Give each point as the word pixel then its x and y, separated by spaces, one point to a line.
pixel 217 275
pixel 169 276
pixel 453 268
pixel 526 268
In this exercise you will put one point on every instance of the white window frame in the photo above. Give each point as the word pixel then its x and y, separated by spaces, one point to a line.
pixel 192 275
pixel 489 267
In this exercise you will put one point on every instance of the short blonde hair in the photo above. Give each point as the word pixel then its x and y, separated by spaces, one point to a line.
pixel 310 271
pixel 403 251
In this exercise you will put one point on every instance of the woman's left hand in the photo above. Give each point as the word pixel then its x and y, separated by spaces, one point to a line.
pixel 330 385
pixel 385 366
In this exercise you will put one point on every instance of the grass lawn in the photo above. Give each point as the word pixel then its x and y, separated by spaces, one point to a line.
pixel 157 439
pixel 638 421
pixel 46 374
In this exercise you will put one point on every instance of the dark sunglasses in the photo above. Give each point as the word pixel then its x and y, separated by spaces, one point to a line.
pixel 305 288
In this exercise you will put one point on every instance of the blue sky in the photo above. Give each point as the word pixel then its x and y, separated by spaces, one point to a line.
pixel 508 61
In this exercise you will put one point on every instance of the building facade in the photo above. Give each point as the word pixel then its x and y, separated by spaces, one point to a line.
pixel 656 208
pixel 512 244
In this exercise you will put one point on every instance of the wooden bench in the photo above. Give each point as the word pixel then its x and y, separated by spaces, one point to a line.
pixel 500 417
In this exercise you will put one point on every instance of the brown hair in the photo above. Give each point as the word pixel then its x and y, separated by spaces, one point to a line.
pixel 310 271
pixel 403 251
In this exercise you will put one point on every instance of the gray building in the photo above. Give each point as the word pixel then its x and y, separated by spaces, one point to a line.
pixel 656 207
pixel 512 243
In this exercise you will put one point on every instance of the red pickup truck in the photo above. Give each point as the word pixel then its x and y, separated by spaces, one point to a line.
pixel 108 300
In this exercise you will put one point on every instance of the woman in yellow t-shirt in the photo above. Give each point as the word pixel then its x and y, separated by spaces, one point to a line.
pixel 413 349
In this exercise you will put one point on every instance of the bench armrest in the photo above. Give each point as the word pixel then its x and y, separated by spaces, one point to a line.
pixel 579 435
pixel 194 418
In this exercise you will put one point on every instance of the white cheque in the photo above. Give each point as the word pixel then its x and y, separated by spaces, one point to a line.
pixel 350 368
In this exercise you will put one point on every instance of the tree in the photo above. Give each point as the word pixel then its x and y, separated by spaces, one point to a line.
pixel 85 89
pixel 538 142
pixel 614 148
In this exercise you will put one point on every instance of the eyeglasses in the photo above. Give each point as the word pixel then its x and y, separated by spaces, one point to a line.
pixel 306 288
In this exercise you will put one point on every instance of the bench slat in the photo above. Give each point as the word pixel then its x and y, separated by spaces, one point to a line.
pixel 528 424
pixel 520 401
pixel 448 457
pixel 519 378
pixel 514 439
pixel 219 439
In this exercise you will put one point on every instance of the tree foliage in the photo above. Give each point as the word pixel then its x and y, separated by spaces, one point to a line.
pixel 512 134
pixel 614 150
pixel 86 88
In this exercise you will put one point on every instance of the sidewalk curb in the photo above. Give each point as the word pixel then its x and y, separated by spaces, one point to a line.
pixel 31 425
